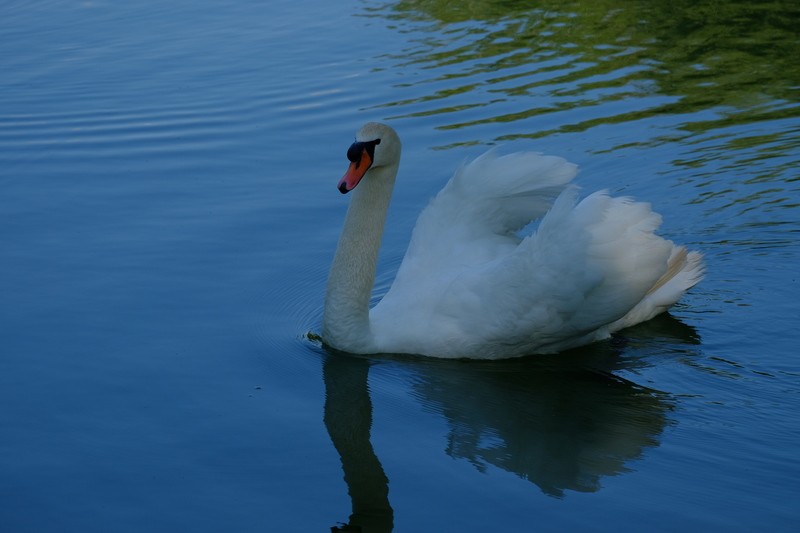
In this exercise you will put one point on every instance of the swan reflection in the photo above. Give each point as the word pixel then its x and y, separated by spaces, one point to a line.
pixel 348 419
pixel 563 422
pixel 560 429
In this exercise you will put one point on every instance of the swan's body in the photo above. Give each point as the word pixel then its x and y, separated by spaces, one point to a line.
pixel 470 287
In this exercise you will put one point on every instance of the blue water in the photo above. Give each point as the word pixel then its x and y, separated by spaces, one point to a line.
pixel 168 213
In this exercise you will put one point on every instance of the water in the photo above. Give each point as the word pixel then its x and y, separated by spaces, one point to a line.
pixel 168 214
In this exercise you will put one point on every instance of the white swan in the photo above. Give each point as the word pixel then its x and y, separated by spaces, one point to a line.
pixel 470 287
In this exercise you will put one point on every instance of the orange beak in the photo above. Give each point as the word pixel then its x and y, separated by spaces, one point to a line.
pixel 355 172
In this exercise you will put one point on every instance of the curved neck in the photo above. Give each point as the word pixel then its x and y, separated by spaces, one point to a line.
pixel 345 322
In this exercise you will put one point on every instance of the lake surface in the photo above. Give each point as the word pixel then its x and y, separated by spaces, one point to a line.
pixel 168 212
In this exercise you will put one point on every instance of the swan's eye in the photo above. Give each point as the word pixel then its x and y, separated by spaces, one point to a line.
pixel 354 152
pixel 358 148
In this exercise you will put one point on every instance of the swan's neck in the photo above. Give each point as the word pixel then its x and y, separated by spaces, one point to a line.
pixel 345 324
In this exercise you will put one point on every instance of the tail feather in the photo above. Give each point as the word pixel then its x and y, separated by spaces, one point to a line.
pixel 684 270
pixel 688 265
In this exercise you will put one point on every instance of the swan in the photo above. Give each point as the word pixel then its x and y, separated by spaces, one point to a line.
pixel 470 286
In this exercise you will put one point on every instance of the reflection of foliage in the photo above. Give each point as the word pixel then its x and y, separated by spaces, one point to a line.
pixel 715 81
pixel 526 60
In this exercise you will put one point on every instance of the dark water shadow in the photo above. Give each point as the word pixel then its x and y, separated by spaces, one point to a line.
pixel 561 422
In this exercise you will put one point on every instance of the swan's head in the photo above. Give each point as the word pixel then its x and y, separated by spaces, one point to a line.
pixel 377 145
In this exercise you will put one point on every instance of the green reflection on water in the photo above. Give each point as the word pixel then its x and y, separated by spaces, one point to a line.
pixel 716 84
pixel 514 61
